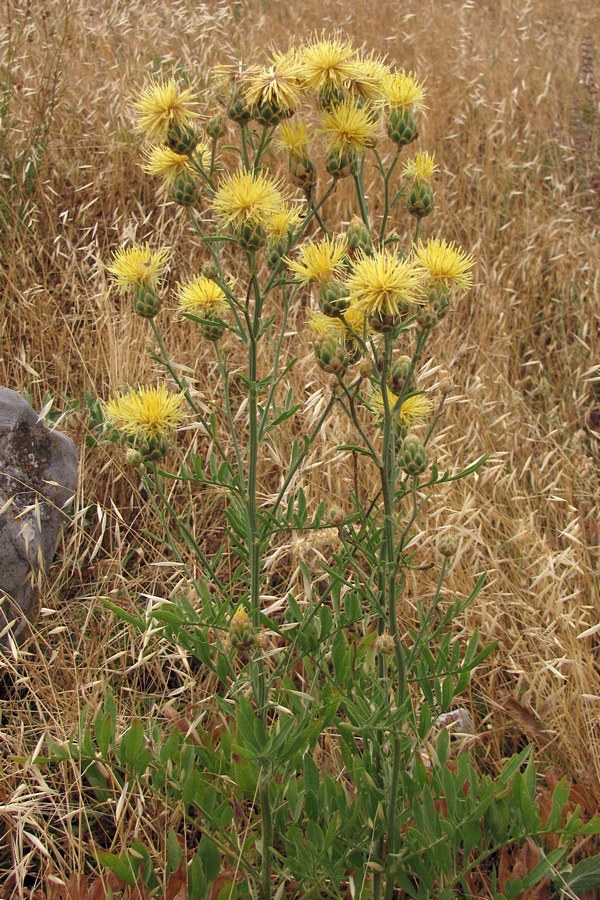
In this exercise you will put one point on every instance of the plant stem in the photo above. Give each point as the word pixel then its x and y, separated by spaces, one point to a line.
pixel 267 839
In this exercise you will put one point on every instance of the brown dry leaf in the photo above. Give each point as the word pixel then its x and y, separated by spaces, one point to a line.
pixel 177 884
pixel 227 876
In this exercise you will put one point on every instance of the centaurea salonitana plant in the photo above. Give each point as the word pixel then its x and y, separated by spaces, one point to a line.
pixel 333 656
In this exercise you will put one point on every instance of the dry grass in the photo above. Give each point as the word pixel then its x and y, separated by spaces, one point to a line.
pixel 513 117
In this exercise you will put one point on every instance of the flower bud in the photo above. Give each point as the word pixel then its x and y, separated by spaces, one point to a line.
pixel 336 515
pixel 146 301
pixel 427 318
pixel 210 270
pixel 212 330
pixel 239 111
pixel 384 324
pixel 447 546
pixel 275 251
pixel 412 456
pixel 215 127
pixel 302 172
pixel 341 164
pixel 241 631
pixel 333 299
pixel 439 301
pixel 181 138
pixel 397 378
pixel 331 96
pixel 419 201
pixel 268 114
pixel 133 457
pixel 184 189
pixel 251 236
pixel 401 127
pixel 331 356
pixel 384 644
pixel 358 235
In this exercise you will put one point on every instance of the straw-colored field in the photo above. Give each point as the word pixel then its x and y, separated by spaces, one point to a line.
pixel 513 118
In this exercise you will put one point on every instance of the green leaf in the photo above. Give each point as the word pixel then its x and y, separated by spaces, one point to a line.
pixel 210 856
pixel 133 753
pixel 585 875
pixel 174 852
pixel 120 865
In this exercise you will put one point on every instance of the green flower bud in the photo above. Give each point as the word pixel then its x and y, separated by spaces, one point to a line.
pixel 241 631
pixel 215 127
pixel 331 356
pixel 210 270
pixel 340 164
pixel 212 330
pixel 146 301
pixel 331 96
pixel 268 114
pixel 333 298
pixel 358 235
pixel 412 456
pixel 419 202
pixel 401 127
pixel 184 189
pixel 384 324
pixel 239 111
pixel 182 138
pixel 252 236
pixel 399 374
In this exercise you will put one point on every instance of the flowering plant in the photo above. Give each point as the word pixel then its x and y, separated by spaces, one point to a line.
pixel 335 771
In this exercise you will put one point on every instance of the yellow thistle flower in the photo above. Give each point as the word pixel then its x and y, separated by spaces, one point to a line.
pixel 279 84
pixel 138 266
pixel 367 80
pixel 166 163
pixel 293 137
pixel 325 326
pixel 319 261
pixel 328 63
pixel 422 168
pixel 384 283
pixel 412 411
pixel 146 413
pixel 284 219
pixel 402 91
pixel 445 264
pixel 203 152
pixel 202 296
pixel 357 322
pixel 251 197
pixel 162 104
pixel 349 126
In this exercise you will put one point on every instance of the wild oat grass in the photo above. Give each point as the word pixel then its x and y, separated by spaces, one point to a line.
pixel 513 118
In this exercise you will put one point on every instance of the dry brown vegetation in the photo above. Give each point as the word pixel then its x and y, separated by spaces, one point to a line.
pixel 513 118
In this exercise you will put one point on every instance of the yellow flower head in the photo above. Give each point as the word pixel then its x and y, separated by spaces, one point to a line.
pixel 328 63
pixel 325 326
pixel 279 84
pixel 384 283
pixel 293 137
pixel 247 197
pixel 349 126
pixel 284 219
pixel 145 413
pixel 202 296
pixel 445 264
pixel 412 411
pixel 422 168
pixel 402 91
pixel 138 266
pixel 165 163
pixel 319 261
pixel 203 153
pixel 367 79
pixel 357 323
pixel 162 104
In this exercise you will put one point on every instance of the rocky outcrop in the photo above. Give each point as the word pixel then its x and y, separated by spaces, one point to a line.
pixel 38 477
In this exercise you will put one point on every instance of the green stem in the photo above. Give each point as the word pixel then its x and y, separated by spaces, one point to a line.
pixel 360 193
pixel 267 839
pixel 386 188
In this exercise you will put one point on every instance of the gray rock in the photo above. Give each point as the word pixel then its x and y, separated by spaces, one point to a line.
pixel 38 477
